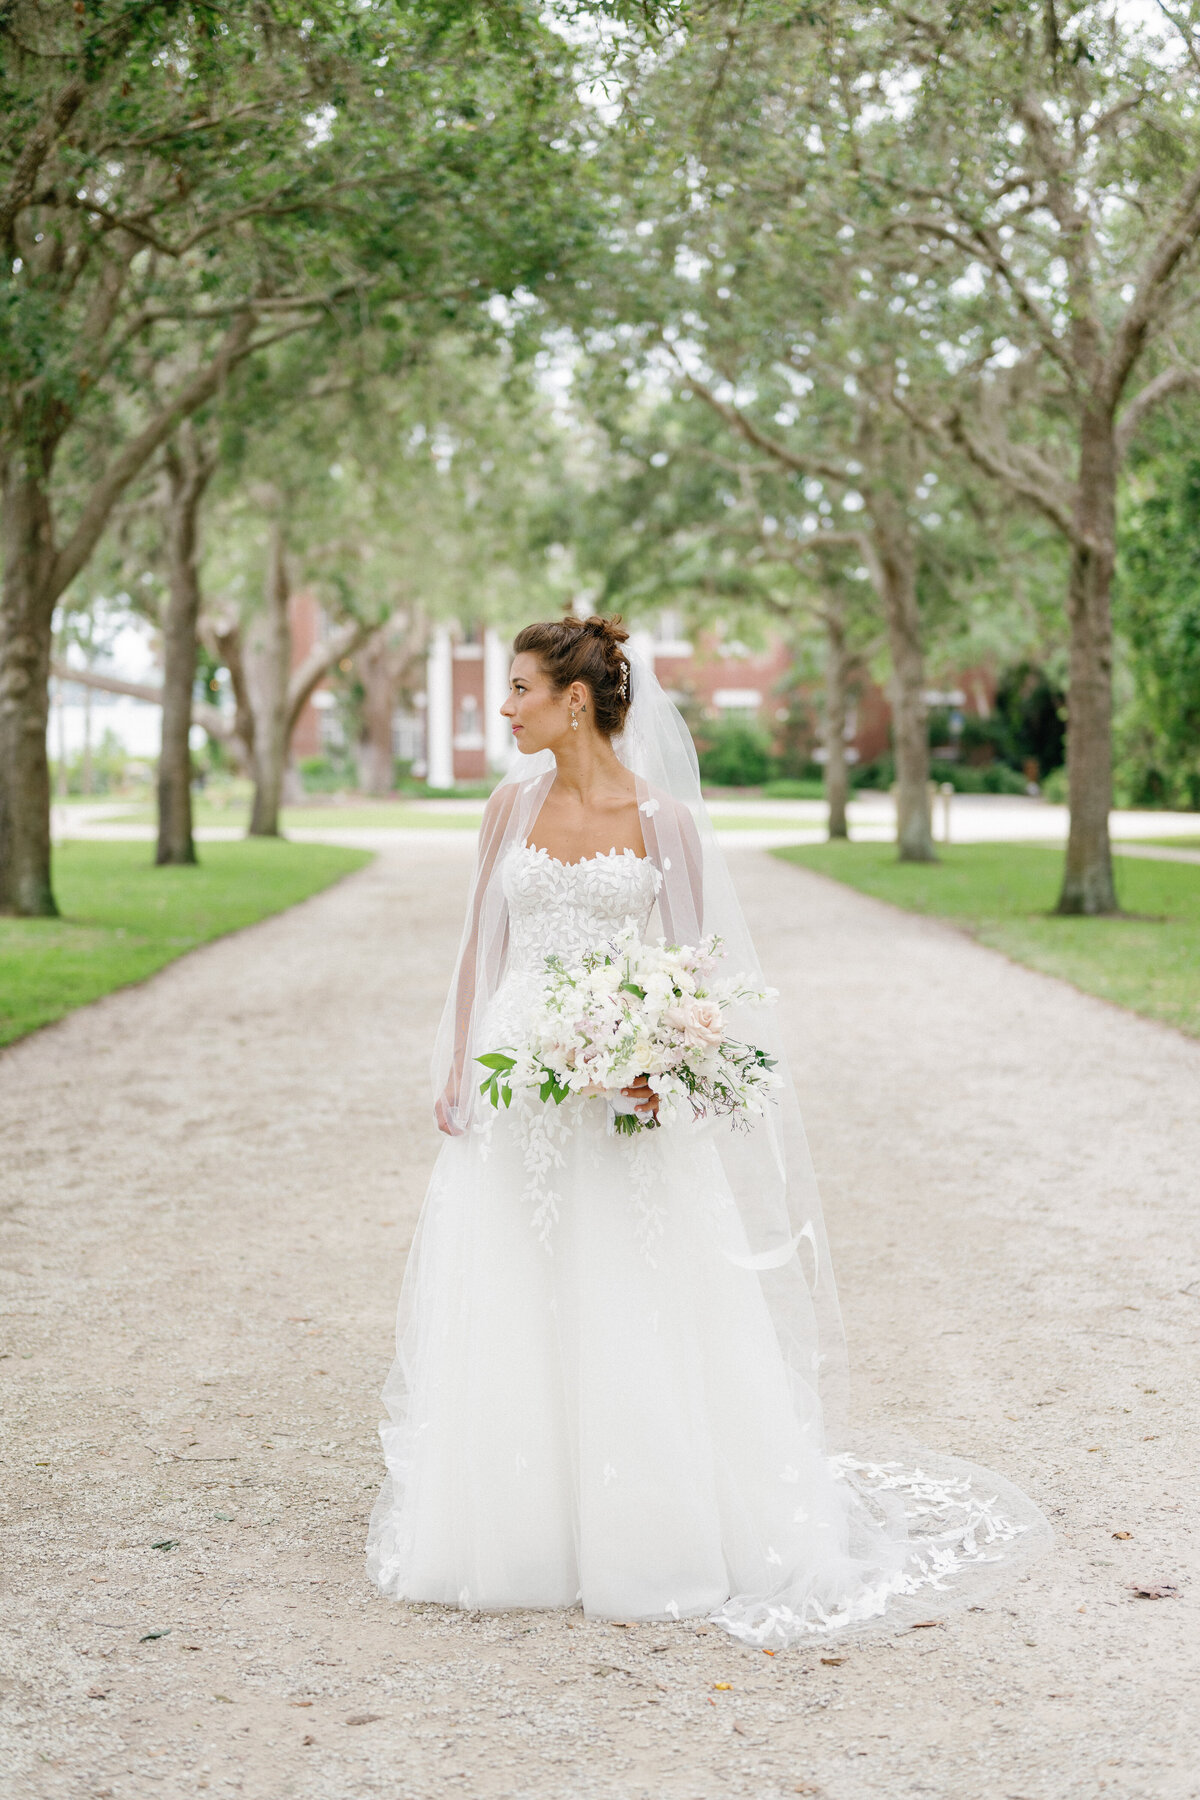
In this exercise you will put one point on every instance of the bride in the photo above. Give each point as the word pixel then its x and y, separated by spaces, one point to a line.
pixel 619 1358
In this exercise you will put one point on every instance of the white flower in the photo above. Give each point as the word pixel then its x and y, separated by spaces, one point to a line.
pixel 698 1020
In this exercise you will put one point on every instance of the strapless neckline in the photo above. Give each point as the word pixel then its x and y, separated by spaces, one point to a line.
pixel 584 861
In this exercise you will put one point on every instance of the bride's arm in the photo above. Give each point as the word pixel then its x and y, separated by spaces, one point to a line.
pixel 492 832
pixel 677 851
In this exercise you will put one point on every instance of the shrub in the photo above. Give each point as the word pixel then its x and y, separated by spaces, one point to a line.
pixel 734 756
pixel 809 787
pixel 879 774
pixel 322 775
pixel 992 778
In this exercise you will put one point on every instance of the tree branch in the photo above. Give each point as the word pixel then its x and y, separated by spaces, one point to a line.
pixel 981 244
pixel 734 417
pixel 321 658
pixel 37 148
pixel 1037 486
pixel 1170 381
pixel 68 561
pixel 210 717
pixel 1177 237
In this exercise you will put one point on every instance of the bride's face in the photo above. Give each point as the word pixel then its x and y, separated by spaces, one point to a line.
pixel 539 713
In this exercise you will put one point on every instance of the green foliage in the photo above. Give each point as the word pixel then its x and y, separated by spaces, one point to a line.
pixel 1027 725
pixel 1031 707
pixel 788 788
pixel 878 775
pixel 733 755
pixel 123 918
pixel 1158 614
pixel 991 778
pixel 1003 895
pixel 325 775
pixel 106 771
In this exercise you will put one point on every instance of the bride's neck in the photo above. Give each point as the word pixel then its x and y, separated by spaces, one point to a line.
pixel 587 766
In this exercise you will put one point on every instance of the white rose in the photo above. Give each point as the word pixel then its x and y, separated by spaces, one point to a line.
pixel 698 1020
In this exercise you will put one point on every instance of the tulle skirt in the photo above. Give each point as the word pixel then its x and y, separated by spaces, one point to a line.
pixel 589 1405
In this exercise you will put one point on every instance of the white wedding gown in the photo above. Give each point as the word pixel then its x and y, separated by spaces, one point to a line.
pixel 589 1403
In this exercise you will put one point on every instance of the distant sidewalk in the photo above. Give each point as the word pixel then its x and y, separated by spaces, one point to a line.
pixel 741 824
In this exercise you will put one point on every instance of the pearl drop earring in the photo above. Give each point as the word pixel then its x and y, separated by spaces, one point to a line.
pixel 574 721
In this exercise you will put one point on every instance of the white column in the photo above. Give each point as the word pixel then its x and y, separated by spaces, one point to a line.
pixel 495 686
pixel 439 711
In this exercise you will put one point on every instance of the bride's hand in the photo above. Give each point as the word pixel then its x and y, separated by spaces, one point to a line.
pixel 443 1113
pixel 644 1095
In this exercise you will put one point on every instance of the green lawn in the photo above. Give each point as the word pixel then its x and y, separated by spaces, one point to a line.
pixel 1002 894
pixel 123 918
pixel 378 815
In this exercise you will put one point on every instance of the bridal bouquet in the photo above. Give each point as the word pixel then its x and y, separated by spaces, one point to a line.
pixel 631 1009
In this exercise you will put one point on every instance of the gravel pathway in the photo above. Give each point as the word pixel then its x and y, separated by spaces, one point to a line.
pixel 208 1187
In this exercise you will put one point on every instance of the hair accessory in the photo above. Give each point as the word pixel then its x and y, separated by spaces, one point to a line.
pixel 624 689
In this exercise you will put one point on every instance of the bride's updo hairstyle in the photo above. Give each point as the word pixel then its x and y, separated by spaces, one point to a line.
pixel 587 650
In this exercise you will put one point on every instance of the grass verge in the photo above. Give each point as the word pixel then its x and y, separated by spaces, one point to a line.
pixel 1002 895
pixel 123 918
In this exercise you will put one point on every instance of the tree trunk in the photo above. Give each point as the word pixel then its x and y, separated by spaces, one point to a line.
pixel 26 616
pixel 87 782
pixel 897 581
pixel 224 641
pixel 379 675
pixel 1088 885
pixel 837 671
pixel 268 665
pixel 188 472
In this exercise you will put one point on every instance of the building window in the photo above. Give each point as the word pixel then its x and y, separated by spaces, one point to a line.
pixel 468 734
pixel 740 704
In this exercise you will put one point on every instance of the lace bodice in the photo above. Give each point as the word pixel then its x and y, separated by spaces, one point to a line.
pixel 569 907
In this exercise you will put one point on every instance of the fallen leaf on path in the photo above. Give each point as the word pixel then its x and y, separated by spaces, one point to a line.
pixel 806 1787
pixel 1122 1534
pixel 739 1729
pixel 832 1662
pixel 928 1625
pixel 1153 1590
pixel 363 1718
pixel 97 1693
pixel 166 1544
pixel 151 1635
pixel 723 1687
pixel 308 1740
pixel 299 1702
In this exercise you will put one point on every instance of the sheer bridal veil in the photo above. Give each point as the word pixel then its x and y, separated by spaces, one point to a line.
pixel 913 1518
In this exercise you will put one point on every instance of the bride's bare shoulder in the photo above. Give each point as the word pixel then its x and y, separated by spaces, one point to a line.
pixel 656 803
